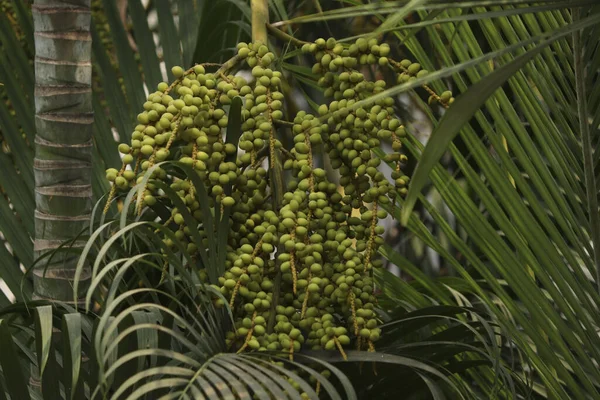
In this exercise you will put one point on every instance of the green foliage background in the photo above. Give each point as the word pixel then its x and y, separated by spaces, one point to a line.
pixel 520 239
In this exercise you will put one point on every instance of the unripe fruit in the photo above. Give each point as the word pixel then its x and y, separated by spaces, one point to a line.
pixel 120 182
pixel 344 340
pixel 178 219
pixel 111 174
pixel 320 246
pixel 414 68
pixel 177 71
pixel 445 96
pixel 228 201
pixel 124 148
pixel 147 150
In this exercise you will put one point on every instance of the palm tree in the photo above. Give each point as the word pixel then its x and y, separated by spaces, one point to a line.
pixel 63 142
pixel 516 229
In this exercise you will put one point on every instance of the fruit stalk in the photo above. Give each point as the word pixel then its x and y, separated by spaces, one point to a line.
pixel 260 19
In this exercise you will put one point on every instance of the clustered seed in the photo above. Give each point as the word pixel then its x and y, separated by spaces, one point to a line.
pixel 298 273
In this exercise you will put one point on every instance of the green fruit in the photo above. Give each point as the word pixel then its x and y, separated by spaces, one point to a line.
pixel 229 284
pixel 374 335
pixel 150 200
pixel 147 150
pixel 344 340
pixel 371 324
pixel 223 179
pixel 414 68
pixel 129 175
pixel 228 201
pixel 313 229
pixel 348 93
pixel 178 219
pixel 217 190
pixel 445 96
pixel 367 216
pixel 177 71
pixel 121 182
pixel 124 148
pixel 111 175
pixel 161 155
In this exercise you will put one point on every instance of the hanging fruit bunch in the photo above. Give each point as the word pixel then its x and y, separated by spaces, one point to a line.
pixel 300 257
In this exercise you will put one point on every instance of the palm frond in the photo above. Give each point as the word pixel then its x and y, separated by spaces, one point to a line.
pixel 523 170
pixel 170 341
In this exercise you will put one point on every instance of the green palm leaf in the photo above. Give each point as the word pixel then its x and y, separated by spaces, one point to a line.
pixel 531 192
pixel 14 378
pixel 195 363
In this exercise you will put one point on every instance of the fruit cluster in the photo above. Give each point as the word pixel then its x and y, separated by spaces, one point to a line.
pixel 299 256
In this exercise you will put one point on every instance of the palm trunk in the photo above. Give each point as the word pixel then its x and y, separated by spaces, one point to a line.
pixel 63 142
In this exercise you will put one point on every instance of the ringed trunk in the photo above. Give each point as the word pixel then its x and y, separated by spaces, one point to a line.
pixel 63 141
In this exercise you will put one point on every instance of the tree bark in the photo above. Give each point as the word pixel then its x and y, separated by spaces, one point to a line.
pixel 63 141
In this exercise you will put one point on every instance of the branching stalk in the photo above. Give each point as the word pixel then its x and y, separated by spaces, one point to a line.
pixel 260 19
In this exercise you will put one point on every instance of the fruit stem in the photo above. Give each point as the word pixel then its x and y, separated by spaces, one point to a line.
pixel 249 335
pixel 260 19
pixel 113 190
pixel 340 348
